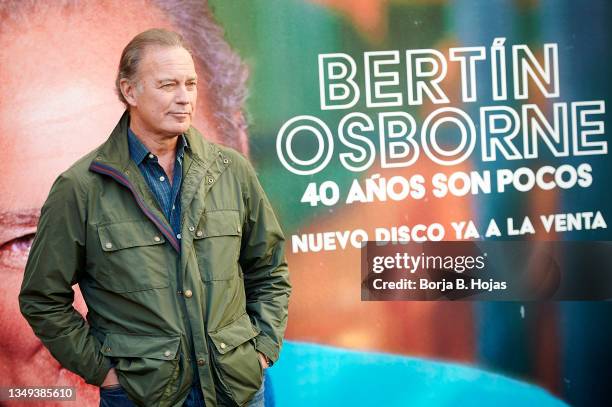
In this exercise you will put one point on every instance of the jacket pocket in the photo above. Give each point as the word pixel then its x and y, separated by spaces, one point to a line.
pixel 133 258
pixel 147 366
pixel 217 244
pixel 236 360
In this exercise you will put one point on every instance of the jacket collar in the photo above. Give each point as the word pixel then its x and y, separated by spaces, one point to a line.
pixel 115 152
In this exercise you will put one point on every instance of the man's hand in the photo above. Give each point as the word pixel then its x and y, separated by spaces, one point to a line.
pixel 110 379
pixel 263 360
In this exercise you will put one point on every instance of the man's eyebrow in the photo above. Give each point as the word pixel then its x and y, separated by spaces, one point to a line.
pixel 25 217
pixel 191 78
pixel 15 224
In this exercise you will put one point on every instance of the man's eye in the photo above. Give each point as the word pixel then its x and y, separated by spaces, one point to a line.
pixel 167 85
pixel 14 253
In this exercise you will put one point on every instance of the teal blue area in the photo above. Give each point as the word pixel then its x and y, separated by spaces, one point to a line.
pixel 314 375
pixel 417 26
pixel 280 41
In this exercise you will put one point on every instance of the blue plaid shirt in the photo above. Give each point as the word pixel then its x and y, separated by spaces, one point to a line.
pixel 168 196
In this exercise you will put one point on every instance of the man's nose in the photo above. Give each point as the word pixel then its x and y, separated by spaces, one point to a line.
pixel 182 95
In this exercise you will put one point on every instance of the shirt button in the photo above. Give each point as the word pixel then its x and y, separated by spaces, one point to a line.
pixel 201 362
pixel 173 208
pixel 151 156
pixel 108 349
pixel 188 294
pixel 157 238
pixel 162 178
pixel 191 228
pixel 109 245
pixel 223 345
pixel 178 236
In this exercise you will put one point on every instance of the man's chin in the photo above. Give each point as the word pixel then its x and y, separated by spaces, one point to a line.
pixel 178 128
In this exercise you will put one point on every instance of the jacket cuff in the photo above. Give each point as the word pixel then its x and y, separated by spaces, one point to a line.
pixel 97 378
pixel 267 346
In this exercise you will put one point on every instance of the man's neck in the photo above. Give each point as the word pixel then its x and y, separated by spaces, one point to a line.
pixel 158 144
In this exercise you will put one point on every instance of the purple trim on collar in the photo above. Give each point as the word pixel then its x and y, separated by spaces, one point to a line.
pixel 104 169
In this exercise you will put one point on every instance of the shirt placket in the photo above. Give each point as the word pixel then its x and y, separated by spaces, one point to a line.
pixel 166 194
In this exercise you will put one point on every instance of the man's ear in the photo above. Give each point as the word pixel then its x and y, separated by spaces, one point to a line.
pixel 128 89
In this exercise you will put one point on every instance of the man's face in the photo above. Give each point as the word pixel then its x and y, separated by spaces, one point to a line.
pixel 163 97
pixel 57 103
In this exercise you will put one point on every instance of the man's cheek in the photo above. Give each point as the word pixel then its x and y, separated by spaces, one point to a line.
pixel 16 337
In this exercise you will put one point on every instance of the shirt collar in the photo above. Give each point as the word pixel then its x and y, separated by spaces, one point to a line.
pixel 139 152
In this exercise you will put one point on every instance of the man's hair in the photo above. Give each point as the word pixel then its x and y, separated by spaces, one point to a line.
pixel 132 54
pixel 220 69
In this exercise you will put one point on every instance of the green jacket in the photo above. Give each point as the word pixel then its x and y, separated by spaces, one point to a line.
pixel 220 291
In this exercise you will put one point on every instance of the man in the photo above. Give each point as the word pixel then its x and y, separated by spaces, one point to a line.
pixel 183 273
pixel 61 106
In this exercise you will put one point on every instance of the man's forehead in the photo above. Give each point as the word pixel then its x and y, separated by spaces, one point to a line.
pixel 162 61
pixel 81 38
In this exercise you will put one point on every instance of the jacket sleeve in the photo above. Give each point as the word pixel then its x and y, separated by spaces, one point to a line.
pixel 266 276
pixel 56 259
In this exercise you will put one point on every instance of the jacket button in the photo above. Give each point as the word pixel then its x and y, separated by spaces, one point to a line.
pixel 210 180
pixel 157 238
pixel 191 228
pixel 108 349
pixel 108 245
pixel 199 233
pixel 188 294
pixel 201 362
pixel 167 353
pixel 223 345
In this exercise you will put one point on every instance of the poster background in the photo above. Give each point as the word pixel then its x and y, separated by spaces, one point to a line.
pixel 560 346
